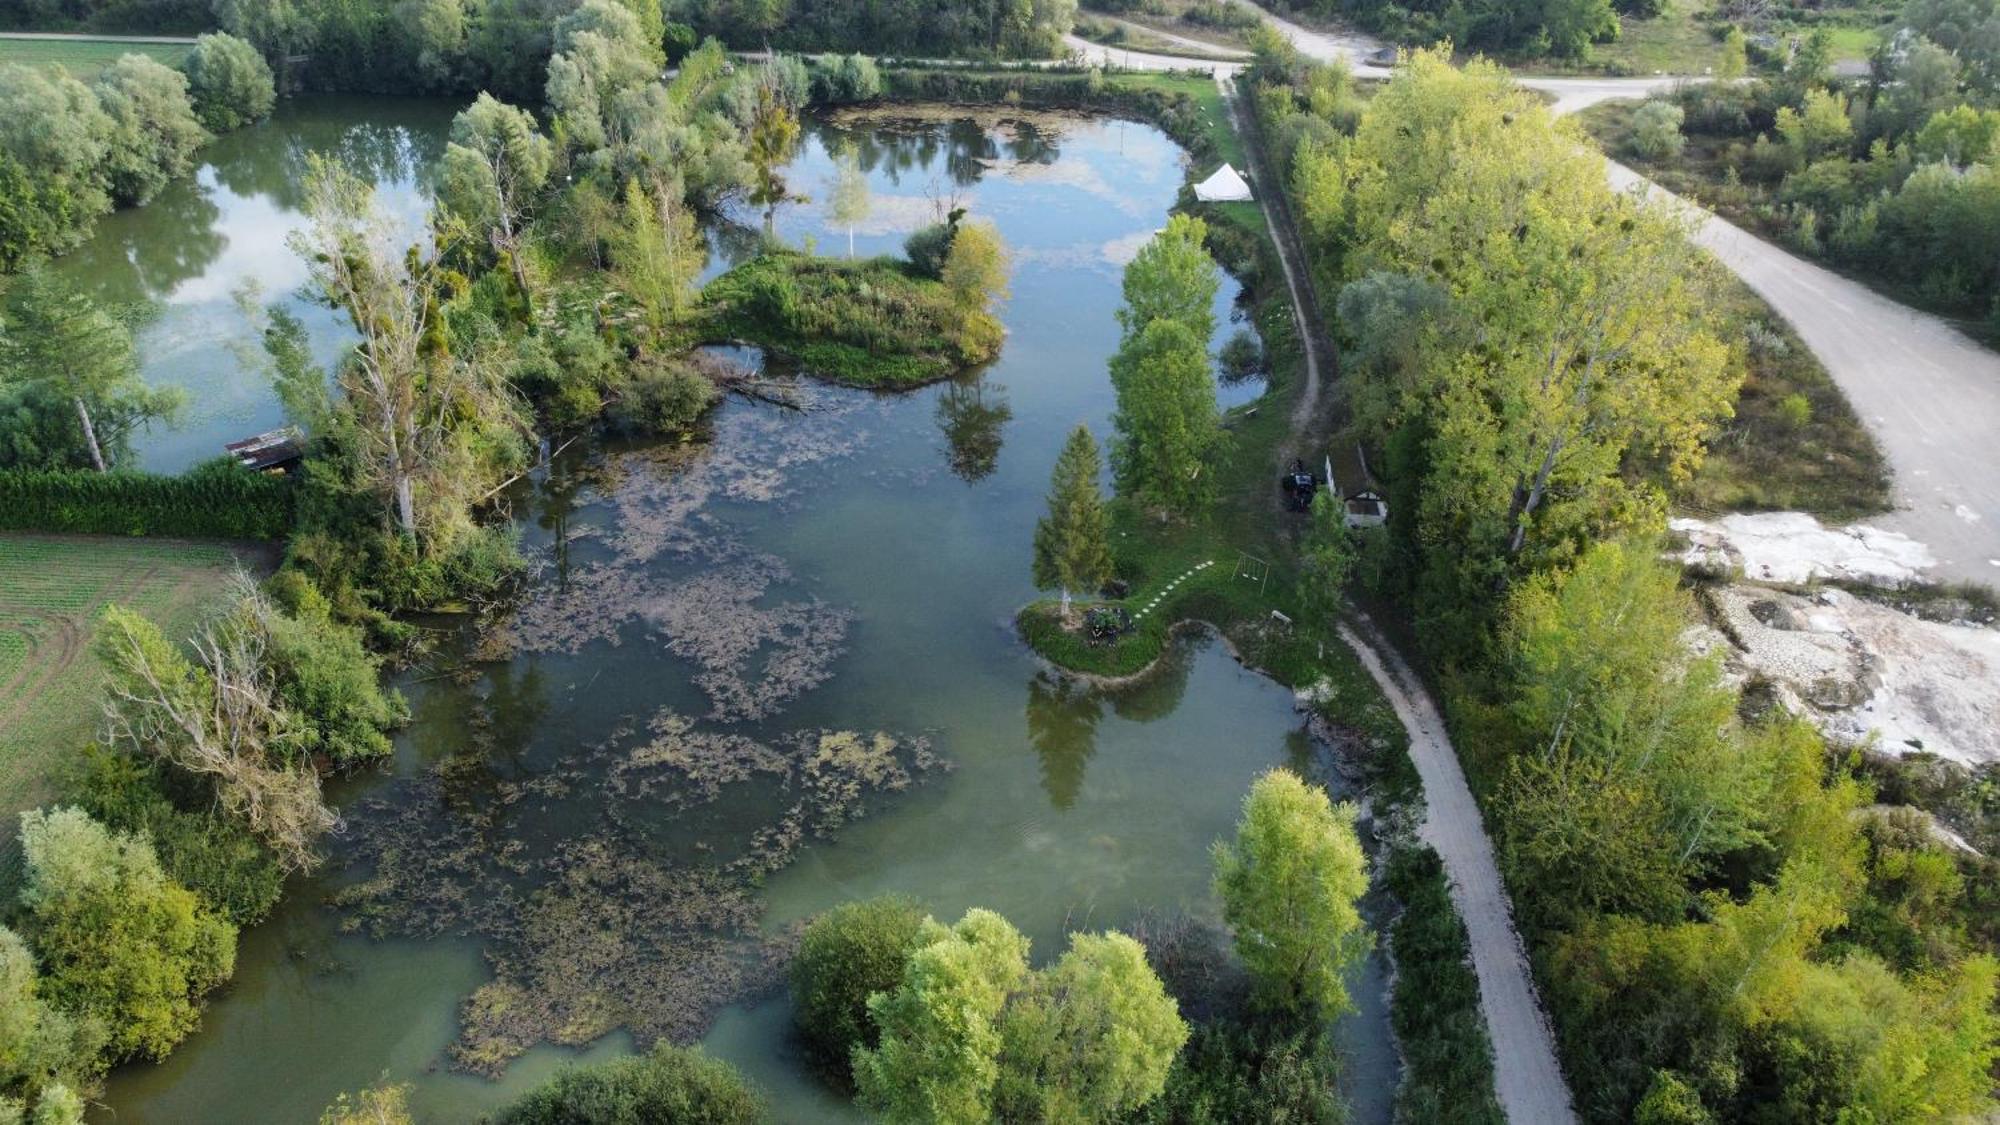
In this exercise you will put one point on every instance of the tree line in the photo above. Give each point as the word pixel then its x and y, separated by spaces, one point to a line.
pixel 1721 929
pixel 70 152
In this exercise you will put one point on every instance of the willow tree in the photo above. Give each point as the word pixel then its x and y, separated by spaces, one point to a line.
pixel 659 256
pixel 1289 882
pixel 494 166
pixel 417 408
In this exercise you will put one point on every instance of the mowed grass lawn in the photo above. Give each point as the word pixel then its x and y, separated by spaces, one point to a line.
pixel 83 58
pixel 52 590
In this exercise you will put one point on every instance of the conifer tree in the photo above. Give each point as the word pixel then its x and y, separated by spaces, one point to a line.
pixel 1071 549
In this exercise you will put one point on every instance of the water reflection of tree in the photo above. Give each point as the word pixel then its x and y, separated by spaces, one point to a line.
pixel 1062 727
pixel 973 413
pixel 146 255
pixel 1032 144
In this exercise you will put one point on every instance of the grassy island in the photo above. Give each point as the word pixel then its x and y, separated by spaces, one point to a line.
pixel 876 323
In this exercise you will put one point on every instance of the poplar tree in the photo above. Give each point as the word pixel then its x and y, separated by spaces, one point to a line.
pixel 1071 548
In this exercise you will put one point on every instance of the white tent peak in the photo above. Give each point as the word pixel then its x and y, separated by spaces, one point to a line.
pixel 1225 184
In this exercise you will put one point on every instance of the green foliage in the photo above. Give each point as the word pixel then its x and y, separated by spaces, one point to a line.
pixel 71 355
pixel 845 79
pixel 927 248
pixel 1091 1038
pixel 1289 882
pixel 1656 130
pixel 384 1104
pixel 229 82
pixel 1168 429
pixel 153 131
pixel 45 1052
pixel 663 396
pixel 1435 1010
pixel 1172 278
pixel 55 131
pixel 1236 1072
pixel 216 501
pixel 1072 551
pixel 869 323
pixel 669 1084
pixel 1559 28
pixel 116 939
pixel 975 275
pixel 198 846
pixel 328 680
pixel 938 1060
pixel 914 28
pixel 845 956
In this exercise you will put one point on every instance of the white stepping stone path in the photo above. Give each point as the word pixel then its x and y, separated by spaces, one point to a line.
pixel 1157 598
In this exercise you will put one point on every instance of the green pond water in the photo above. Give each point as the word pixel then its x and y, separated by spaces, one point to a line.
pixel 571 810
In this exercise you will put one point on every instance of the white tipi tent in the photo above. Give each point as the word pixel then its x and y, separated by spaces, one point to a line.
pixel 1224 185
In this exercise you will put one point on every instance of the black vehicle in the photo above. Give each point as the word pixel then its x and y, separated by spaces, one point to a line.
pixel 1300 486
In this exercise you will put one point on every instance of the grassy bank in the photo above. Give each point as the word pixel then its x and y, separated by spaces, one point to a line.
pixel 84 58
pixel 870 323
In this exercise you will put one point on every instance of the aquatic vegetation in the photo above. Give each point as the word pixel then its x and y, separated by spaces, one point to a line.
pixel 597 907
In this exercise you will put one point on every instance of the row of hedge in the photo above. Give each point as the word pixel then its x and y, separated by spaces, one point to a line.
pixel 214 501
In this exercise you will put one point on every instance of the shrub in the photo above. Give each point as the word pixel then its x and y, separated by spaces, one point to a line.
pixel 229 82
pixel 117 940
pixel 1796 411
pixel 669 1085
pixel 208 853
pixel 330 682
pixel 1656 130
pixel 928 247
pixel 847 954
pixel 1235 1072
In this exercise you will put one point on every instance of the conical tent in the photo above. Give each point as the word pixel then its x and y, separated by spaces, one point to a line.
pixel 1224 185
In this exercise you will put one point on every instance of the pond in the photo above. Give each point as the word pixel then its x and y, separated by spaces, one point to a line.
pixel 752 677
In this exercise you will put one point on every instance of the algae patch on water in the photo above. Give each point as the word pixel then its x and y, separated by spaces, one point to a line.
pixel 618 890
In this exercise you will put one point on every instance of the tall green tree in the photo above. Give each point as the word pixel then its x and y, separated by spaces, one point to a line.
pixel 938 1060
pixel 1289 882
pixel 495 165
pixel 1172 278
pixel 153 131
pixel 229 82
pixel 845 956
pixel 423 415
pixel 58 339
pixel 1168 426
pixel 1072 549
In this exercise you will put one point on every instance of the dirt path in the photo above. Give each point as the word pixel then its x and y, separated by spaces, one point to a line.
pixel 1278 219
pixel 1526 1076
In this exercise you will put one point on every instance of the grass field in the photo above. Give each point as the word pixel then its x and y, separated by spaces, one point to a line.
pixel 51 592
pixel 83 58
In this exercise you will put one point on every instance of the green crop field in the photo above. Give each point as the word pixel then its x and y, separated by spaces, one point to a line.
pixel 83 58
pixel 52 589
